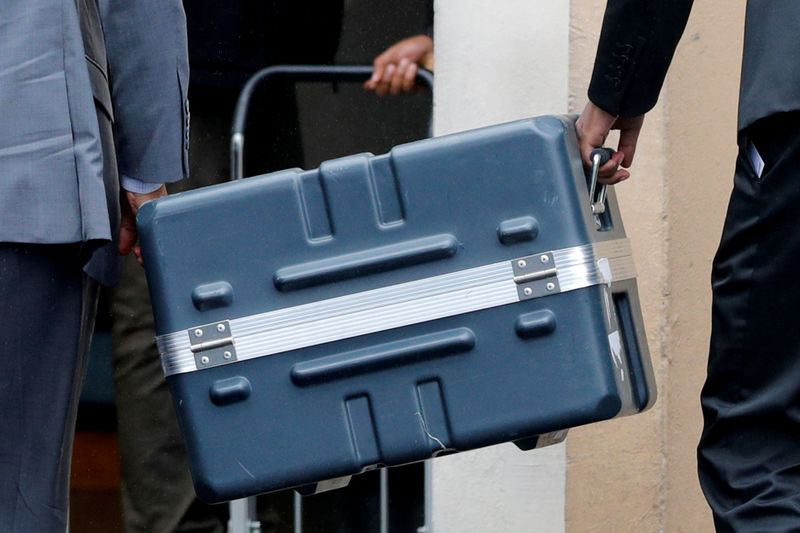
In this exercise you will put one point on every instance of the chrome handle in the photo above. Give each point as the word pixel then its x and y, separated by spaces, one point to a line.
pixel 599 157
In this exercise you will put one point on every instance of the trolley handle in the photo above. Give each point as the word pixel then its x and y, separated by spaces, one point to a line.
pixel 297 73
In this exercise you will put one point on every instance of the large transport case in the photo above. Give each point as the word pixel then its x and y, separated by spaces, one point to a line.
pixel 455 293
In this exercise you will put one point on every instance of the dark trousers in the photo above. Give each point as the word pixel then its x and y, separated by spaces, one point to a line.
pixel 157 492
pixel 47 308
pixel 749 452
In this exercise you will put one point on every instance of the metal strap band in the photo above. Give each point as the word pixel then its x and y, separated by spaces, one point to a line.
pixel 401 305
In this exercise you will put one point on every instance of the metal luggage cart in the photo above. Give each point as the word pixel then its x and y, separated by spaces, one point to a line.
pixel 243 517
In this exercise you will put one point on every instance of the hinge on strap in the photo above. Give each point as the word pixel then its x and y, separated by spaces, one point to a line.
pixel 535 276
pixel 212 344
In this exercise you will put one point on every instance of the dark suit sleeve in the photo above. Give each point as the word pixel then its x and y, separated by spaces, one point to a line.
pixel 636 46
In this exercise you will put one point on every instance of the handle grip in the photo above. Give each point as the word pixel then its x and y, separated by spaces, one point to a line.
pixel 599 157
pixel 604 155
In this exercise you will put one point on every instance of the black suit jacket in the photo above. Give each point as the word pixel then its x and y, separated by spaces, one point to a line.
pixel 636 46
pixel 771 65
pixel 639 38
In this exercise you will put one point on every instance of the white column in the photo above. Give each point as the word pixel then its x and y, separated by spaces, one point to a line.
pixel 496 61
pixel 499 60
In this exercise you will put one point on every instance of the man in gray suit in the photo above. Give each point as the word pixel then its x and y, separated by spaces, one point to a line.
pixel 73 76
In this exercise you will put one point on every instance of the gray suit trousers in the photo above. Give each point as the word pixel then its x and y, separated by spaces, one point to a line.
pixel 47 312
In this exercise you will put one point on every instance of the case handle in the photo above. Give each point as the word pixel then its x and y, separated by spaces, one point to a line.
pixel 599 157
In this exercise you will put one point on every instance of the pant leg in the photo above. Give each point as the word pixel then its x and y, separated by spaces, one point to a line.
pixel 749 453
pixel 157 491
pixel 47 311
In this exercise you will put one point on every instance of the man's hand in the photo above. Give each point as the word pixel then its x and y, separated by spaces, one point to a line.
pixel 593 127
pixel 395 69
pixel 130 204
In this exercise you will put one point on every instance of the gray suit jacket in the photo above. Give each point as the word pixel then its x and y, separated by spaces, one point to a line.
pixel 57 62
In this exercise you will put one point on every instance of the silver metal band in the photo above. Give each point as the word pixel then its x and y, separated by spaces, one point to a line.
pixel 395 306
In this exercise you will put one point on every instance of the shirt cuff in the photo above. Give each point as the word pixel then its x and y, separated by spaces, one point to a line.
pixel 139 187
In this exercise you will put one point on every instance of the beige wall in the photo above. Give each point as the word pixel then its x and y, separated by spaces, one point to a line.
pixel 641 470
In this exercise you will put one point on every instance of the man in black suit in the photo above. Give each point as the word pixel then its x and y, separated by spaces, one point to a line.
pixel 749 452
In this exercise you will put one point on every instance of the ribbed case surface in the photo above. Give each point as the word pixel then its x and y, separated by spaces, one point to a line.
pixel 402 394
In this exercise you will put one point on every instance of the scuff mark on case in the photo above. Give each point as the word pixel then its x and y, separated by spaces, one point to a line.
pixel 245 469
pixel 428 433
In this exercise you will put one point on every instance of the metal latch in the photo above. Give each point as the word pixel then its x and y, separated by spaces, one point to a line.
pixel 535 276
pixel 212 344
